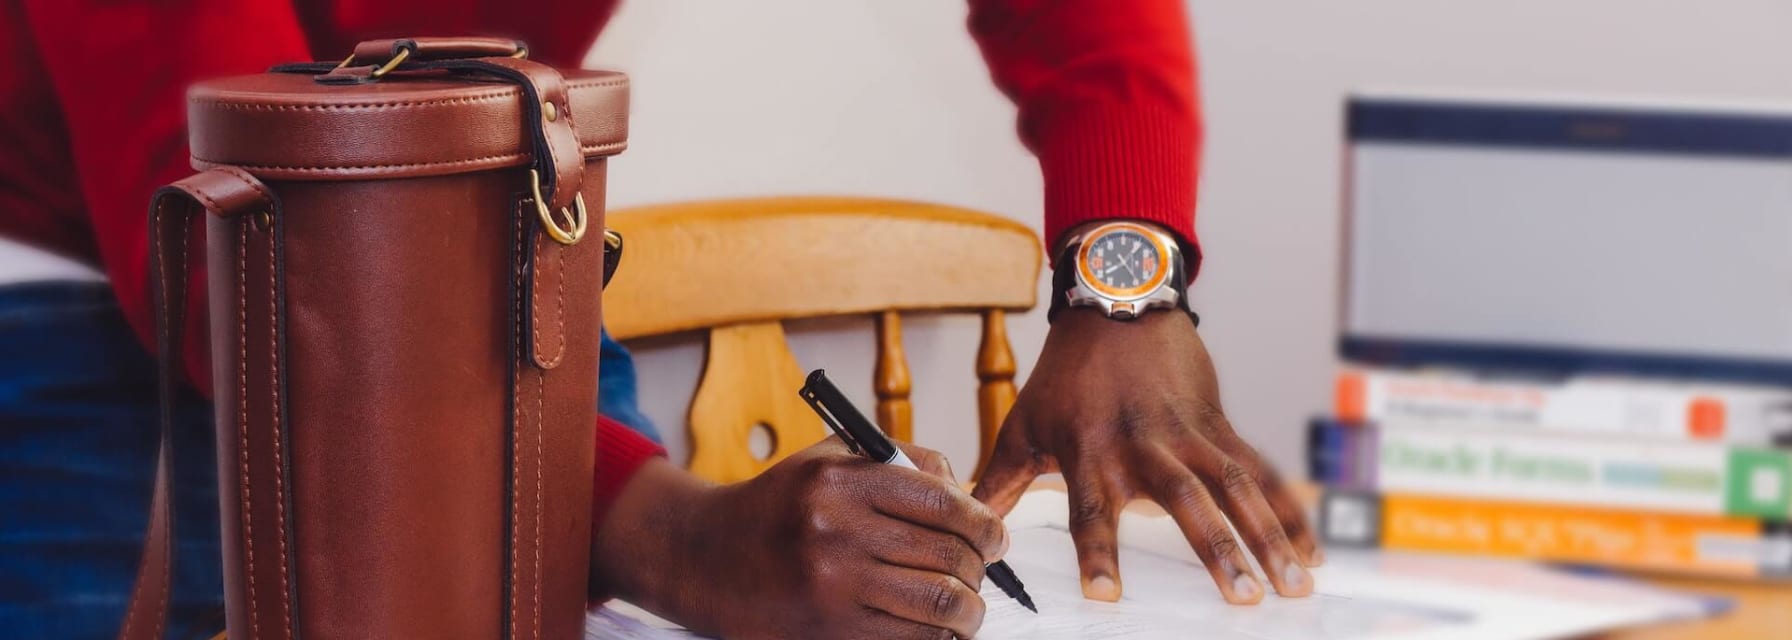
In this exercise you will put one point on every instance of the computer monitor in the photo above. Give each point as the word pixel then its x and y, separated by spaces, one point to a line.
pixel 1569 236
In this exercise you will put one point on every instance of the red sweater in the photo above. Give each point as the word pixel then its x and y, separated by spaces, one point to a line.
pixel 91 111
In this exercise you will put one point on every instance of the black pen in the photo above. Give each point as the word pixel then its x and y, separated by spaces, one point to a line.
pixel 864 438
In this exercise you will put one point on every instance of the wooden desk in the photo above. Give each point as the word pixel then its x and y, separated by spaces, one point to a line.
pixel 1762 611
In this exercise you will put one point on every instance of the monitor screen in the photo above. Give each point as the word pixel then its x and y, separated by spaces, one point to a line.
pixel 1569 237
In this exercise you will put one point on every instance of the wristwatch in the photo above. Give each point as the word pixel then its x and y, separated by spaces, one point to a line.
pixel 1126 269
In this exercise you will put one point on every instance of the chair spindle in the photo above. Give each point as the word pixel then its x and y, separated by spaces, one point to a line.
pixel 995 382
pixel 891 381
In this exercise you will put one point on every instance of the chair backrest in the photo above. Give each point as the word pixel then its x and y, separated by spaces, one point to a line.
pixel 737 269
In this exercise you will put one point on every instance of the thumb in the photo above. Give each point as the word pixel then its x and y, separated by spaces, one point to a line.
pixel 1008 473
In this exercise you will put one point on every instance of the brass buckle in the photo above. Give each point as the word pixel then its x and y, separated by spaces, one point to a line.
pixel 522 53
pixel 391 64
pixel 403 54
pixel 575 217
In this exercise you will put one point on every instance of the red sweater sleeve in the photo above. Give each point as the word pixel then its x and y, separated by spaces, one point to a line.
pixel 620 453
pixel 120 72
pixel 1106 91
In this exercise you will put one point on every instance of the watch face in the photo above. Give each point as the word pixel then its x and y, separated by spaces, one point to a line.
pixel 1123 261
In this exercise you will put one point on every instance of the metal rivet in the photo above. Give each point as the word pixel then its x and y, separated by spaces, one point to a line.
pixel 548 111
pixel 263 220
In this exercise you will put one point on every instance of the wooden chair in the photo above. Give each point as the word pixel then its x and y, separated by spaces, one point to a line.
pixel 737 269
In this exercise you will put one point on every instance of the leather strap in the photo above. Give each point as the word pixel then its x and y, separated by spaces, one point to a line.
pixel 224 192
pixel 379 52
pixel 547 300
pixel 612 255
pixel 561 166
pixel 558 158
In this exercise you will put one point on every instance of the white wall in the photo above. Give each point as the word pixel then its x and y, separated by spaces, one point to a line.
pixel 891 98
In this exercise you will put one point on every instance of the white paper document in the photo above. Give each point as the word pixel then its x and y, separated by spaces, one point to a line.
pixel 620 621
pixel 1359 595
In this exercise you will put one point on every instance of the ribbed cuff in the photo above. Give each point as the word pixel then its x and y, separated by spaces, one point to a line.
pixel 620 453
pixel 1112 162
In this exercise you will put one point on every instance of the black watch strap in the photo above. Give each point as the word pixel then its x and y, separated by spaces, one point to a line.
pixel 1064 278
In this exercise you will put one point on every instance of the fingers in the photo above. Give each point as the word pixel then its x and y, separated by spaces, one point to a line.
pixel 1172 485
pixel 903 545
pixel 878 624
pixel 930 502
pixel 1282 500
pixel 928 461
pixel 1235 488
pixel 1094 518
pixel 1009 472
pixel 925 598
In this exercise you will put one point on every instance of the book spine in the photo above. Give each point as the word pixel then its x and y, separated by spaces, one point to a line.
pixel 1744 417
pixel 1340 455
pixel 1635 473
pixel 1708 545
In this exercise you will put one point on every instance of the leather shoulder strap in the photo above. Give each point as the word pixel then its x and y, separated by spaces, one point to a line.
pixel 225 191
pixel 557 158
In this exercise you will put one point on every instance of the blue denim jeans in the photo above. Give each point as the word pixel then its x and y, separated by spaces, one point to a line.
pixel 78 430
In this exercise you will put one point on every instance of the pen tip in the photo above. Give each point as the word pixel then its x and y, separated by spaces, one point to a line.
pixel 1028 603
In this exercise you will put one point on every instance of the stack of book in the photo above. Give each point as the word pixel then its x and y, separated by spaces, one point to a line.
pixel 1609 472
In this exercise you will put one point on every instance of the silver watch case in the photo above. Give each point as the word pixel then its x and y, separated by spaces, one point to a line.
pixel 1164 296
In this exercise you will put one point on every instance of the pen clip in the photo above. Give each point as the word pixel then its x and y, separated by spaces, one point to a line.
pixel 827 416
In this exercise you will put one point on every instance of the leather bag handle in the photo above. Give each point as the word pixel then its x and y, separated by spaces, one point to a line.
pixel 224 192
pixel 379 52
pixel 558 167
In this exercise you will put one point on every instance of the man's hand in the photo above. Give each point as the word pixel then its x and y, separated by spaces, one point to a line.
pixel 1132 408
pixel 825 544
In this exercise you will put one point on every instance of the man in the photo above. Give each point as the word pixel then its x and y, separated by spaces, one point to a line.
pixel 1124 406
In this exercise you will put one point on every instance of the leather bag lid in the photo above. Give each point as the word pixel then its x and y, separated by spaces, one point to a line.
pixel 286 126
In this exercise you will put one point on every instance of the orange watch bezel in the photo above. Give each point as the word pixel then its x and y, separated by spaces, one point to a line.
pixel 1088 278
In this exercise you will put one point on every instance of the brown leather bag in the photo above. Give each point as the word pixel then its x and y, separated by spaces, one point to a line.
pixel 404 317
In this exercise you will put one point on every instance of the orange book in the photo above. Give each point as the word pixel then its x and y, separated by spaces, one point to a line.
pixel 1675 542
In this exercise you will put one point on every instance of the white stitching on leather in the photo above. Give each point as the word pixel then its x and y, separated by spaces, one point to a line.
pixel 161 612
pixel 279 463
pixel 156 242
pixel 603 149
pixel 541 420
pixel 398 105
pixel 362 167
pixel 516 392
pixel 242 386
pixel 236 172
pixel 535 320
pixel 560 306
